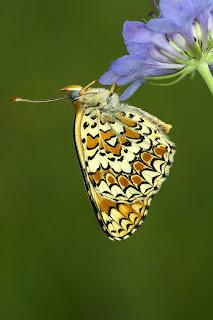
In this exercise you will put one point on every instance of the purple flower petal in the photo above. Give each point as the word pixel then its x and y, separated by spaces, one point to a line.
pixel 131 89
pixel 201 5
pixel 176 7
pixel 183 9
pixel 179 15
pixel 146 52
pixel 137 32
pixel 108 78
pixel 134 31
pixel 122 81
pixel 165 25
pixel 126 65
pixel 140 49
pixel 171 25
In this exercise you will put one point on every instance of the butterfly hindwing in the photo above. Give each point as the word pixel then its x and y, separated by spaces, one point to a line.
pixel 120 219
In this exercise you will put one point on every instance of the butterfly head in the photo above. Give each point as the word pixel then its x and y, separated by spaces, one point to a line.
pixel 91 97
pixel 74 92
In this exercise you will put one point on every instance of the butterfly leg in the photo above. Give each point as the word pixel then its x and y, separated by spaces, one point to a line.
pixel 112 88
pixel 88 86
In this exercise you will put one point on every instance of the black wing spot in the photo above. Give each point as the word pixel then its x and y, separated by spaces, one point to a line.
pixel 128 143
pixel 121 158
pixel 85 125
pixel 94 125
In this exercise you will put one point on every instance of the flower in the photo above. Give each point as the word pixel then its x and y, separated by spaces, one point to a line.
pixel 173 45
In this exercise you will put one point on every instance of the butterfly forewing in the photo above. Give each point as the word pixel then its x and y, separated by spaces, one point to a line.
pixel 125 155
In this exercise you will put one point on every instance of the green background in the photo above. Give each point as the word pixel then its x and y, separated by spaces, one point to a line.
pixel 55 262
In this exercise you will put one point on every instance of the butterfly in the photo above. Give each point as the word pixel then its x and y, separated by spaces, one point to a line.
pixel 124 154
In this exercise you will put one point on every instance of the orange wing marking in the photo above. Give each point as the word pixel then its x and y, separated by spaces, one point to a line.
pixel 160 150
pixel 92 142
pixel 137 180
pixel 138 166
pixel 104 136
pixel 110 179
pixel 131 134
pixel 128 122
pixel 124 182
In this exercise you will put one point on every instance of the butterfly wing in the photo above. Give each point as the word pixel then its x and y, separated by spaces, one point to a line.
pixel 125 156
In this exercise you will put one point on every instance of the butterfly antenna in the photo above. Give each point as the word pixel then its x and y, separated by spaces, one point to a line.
pixel 17 99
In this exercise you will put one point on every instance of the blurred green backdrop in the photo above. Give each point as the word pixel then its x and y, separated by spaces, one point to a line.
pixel 55 261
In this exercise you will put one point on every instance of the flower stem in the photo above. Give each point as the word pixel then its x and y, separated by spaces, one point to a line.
pixel 206 74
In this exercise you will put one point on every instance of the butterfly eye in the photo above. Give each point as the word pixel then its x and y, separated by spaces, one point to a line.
pixel 74 94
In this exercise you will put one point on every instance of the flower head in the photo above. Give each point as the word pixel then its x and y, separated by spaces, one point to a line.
pixel 173 45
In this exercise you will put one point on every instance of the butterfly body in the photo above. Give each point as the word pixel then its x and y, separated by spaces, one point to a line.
pixel 125 155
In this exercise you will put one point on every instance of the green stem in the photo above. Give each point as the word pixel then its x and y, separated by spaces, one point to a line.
pixel 206 74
